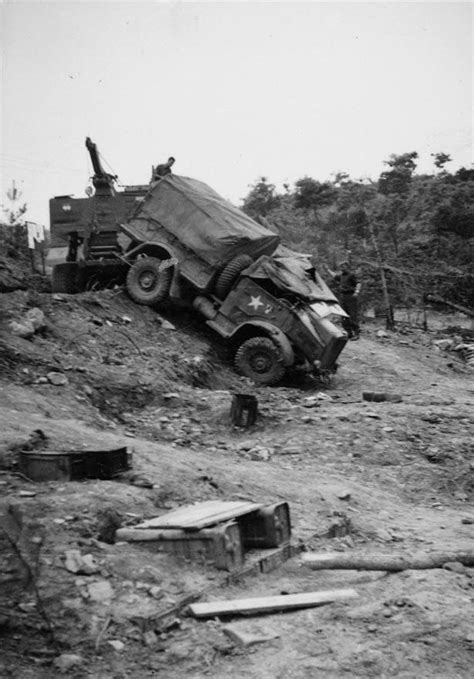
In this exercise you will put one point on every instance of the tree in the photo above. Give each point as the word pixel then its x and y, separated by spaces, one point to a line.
pixel 261 199
pixel 311 194
pixel 15 226
pixel 397 180
pixel 440 160
pixel 15 210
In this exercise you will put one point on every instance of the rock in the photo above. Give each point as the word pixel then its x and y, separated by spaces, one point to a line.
pixel 22 329
pixel 150 639
pixel 344 495
pixel 76 563
pixel 383 534
pixel 245 638
pixel 166 325
pixel 374 416
pixel 244 445
pixel 181 650
pixel 381 334
pixel 140 481
pixel 67 661
pixel 116 645
pixel 58 379
pixel 311 402
pixel 454 566
pixel 321 396
pixel 259 454
pixel 33 321
pixel 156 592
pixel 290 450
pixel 443 344
pixel 100 592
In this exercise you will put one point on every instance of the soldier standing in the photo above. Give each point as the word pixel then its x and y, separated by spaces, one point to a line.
pixel 349 288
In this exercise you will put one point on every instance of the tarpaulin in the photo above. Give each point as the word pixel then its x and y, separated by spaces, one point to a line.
pixel 201 220
pixel 293 273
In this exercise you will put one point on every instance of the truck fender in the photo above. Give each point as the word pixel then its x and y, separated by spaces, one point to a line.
pixel 152 249
pixel 275 334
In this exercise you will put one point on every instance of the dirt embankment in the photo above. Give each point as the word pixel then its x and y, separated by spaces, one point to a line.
pixel 386 477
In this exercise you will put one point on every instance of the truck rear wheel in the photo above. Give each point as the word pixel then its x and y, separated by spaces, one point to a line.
pixel 64 278
pixel 230 273
pixel 261 360
pixel 148 281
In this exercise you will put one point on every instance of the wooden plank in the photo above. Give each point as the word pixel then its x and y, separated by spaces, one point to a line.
pixel 269 603
pixel 200 515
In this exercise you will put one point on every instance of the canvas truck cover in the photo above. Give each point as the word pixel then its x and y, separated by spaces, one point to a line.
pixel 201 220
pixel 292 273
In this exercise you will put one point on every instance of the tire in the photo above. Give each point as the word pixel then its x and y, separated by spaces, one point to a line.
pixel 148 282
pixel 230 273
pixel 261 360
pixel 64 278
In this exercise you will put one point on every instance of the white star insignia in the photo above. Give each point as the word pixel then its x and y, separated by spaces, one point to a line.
pixel 255 302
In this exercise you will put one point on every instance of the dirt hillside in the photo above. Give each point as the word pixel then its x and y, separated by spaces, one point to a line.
pixel 95 371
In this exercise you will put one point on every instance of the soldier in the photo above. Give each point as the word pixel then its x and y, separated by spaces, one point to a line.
pixel 163 169
pixel 349 289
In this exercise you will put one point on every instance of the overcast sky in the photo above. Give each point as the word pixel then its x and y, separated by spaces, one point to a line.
pixel 232 90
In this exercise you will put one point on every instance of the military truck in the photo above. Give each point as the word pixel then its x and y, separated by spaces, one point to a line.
pixel 184 244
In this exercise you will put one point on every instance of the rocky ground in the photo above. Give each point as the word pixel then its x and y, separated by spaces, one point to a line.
pixel 94 371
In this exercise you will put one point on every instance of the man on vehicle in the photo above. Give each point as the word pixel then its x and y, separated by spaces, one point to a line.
pixel 348 288
pixel 163 169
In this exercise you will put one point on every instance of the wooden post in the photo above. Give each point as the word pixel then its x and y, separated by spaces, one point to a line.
pixel 390 321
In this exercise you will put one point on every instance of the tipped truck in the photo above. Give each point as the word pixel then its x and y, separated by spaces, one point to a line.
pixel 177 241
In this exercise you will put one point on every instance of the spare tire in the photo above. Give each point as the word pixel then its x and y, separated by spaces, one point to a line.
pixel 230 273
pixel 149 281
pixel 261 360
pixel 64 278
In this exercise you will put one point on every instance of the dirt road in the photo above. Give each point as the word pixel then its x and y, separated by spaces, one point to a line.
pixel 396 478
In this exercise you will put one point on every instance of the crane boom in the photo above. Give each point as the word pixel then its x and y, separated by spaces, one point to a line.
pixel 103 181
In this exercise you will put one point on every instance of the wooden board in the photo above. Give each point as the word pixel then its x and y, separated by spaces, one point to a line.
pixel 200 515
pixel 269 603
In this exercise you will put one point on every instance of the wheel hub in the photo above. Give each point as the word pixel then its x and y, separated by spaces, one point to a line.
pixel 147 280
pixel 261 363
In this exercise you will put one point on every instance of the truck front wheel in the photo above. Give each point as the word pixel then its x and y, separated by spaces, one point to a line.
pixel 261 360
pixel 149 281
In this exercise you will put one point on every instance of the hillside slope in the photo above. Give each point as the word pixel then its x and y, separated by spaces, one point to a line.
pixel 397 476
